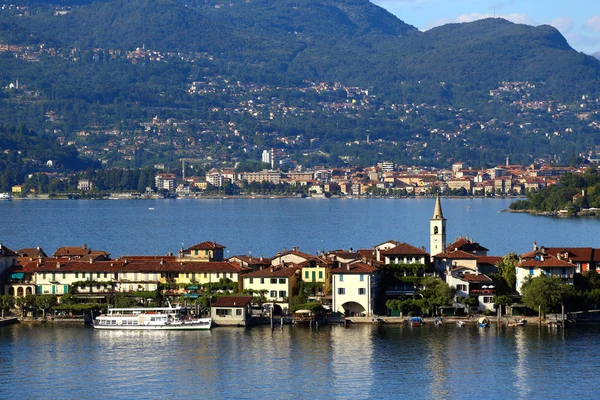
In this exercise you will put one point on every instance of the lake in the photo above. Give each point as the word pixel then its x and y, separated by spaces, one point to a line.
pixel 266 226
pixel 359 362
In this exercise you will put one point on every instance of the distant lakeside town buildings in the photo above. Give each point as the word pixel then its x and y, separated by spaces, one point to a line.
pixel 386 178
pixel 351 282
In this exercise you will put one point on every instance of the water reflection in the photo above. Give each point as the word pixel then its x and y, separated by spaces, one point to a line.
pixel 521 370
pixel 438 363
pixel 352 355
pixel 363 361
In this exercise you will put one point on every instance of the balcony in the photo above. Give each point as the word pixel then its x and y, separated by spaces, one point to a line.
pixel 483 291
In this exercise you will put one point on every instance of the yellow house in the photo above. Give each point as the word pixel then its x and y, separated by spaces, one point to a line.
pixel 280 283
pixel 317 271
pixel 205 251
pixel 17 189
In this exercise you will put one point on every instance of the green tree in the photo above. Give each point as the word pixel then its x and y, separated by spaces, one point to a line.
pixel 507 270
pixel 436 293
pixel 545 293
pixel 44 302
pixel 6 302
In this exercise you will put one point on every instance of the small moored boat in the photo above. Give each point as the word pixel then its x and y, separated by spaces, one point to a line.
pixel 416 321
pixel 483 322
pixel 517 322
pixel 461 324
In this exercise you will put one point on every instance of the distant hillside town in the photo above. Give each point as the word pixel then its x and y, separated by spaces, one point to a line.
pixel 383 179
pixel 390 278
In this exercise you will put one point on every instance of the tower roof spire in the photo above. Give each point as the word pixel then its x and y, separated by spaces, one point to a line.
pixel 437 211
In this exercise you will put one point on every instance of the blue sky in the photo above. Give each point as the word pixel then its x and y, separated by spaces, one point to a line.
pixel 577 20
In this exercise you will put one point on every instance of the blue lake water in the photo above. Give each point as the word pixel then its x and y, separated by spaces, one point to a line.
pixel 265 226
pixel 359 362
pixel 45 361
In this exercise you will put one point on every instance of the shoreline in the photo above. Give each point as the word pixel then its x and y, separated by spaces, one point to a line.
pixel 277 197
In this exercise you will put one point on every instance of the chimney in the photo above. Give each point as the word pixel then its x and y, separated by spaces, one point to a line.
pixel 91 260
pixel 162 261
pixel 261 257
pixel 271 269
pixel 348 267
pixel 535 246
pixel 58 264
pixel 85 246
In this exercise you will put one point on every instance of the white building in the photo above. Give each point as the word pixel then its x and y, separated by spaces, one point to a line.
pixel 471 283
pixel 268 157
pixel 437 226
pixel 165 181
pixel 355 288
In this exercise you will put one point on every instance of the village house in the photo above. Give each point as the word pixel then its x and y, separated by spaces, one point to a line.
pixel 254 263
pixel 538 262
pixel 294 256
pixel 280 284
pixel 354 289
pixel 317 271
pixel 404 253
pixel 8 259
pixel 472 283
pixel 205 251
pixel 231 310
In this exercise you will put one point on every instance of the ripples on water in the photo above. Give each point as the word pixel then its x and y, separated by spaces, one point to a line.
pixel 298 363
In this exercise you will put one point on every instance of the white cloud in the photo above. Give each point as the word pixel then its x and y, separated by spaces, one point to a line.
pixel 593 23
pixel 564 25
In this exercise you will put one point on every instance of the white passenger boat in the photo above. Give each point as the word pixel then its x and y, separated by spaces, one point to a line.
pixel 5 196
pixel 158 318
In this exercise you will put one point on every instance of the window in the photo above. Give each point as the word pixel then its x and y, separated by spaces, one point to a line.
pixel 282 293
pixel 205 275
pixel 461 287
pixel 273 280
pixel 282 281
pixel 238 312
pixel 98 275
pixel 251 280
pixel 262 280
pixel 106 275
pixel 362 278
pixel 487 299
pixel 273 293
pixel 44 275
pixel 362 291
pixel 320 274
pixel 530 271
pixel 222 312
pixel 76 274
pixel 231 275
pixel 65 275
pixel 341 278
pixel 217 275
pixel 341 290
pixel 187 274
pixel 306 275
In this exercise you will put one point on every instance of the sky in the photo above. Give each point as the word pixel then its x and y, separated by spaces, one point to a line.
pixel 577 20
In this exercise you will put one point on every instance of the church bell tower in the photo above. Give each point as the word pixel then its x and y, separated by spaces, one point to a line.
pixel 437 230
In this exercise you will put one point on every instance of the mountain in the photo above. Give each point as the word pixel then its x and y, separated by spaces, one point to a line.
pixel 110 66
pixel 351 41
